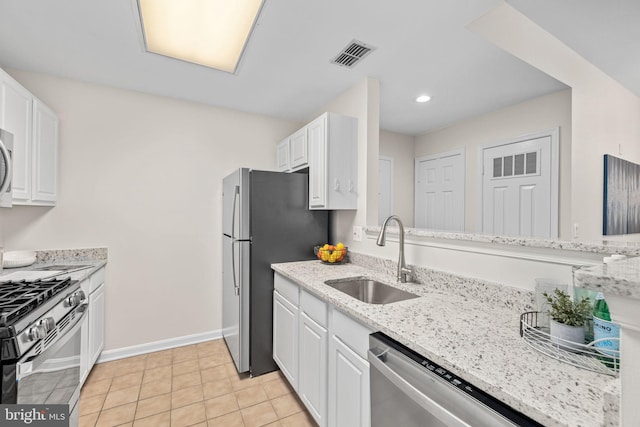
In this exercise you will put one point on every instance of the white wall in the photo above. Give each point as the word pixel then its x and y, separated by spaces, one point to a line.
pixel 605 115
pixel 543 113
pixel 141 175
pixel 400 148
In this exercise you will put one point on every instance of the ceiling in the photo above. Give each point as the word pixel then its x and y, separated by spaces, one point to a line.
pixel 422 46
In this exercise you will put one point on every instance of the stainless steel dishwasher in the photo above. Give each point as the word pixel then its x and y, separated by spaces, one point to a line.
pixel 408 390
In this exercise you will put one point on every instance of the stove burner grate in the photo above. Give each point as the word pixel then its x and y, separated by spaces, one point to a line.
pixel 21 297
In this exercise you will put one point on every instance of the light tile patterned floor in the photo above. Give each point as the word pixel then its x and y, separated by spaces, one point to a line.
pixel 196 385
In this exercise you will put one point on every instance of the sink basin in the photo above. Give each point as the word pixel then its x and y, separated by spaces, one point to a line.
pixel 370 291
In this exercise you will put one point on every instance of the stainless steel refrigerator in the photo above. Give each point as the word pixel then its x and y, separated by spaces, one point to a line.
pixel 266 219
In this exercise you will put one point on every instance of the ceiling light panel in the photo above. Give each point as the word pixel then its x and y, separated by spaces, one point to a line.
pixel 212 33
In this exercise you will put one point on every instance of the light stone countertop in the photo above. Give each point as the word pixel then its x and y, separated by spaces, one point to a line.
pixel 629 248
pixel 95 257
pixel 615 278
pixel 478 341
pixel 79 275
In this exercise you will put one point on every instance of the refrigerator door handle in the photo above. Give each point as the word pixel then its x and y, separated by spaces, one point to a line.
pixel 236 191
pixel 236 289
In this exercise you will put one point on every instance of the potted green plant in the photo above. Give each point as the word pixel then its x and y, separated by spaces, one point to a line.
pixel 567 319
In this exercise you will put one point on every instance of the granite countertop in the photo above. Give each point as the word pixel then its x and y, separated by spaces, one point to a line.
pixel 79 275
pixel 96 258
pixel 615 278
pixel 478 341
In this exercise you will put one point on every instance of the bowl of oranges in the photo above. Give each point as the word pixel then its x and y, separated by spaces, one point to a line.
pixel 331 254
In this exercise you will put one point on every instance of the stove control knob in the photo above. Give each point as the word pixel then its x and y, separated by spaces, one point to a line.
pixel 76 298
pixel 37 332
pixel 81 295
pixel 48 323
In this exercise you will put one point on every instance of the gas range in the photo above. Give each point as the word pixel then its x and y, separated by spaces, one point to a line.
pixel 29 310
pixel 41 341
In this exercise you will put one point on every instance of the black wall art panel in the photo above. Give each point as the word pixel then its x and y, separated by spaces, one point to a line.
pixel 621 196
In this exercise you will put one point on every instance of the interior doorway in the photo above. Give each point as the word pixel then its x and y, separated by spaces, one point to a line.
pixel 519 191
pixel 439 191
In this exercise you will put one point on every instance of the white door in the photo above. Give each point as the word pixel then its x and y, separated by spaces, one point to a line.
pixel 440 191
pixel 312 381
pixel 349 396
pixel 520 187
pixel 45 146
pixel 317 147
pixel 285 338
pixel 385 188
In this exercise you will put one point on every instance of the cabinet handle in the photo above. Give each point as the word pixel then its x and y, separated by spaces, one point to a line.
pixel 336 185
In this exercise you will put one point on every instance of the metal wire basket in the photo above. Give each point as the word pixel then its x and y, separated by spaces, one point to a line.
pixel 585 356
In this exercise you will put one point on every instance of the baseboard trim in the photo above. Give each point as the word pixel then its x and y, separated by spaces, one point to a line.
pixel 135 350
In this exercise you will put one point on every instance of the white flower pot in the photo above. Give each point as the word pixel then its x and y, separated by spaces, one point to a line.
pixel 565 336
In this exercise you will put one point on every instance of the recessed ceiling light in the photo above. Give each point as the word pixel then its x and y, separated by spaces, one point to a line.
pixel 212 33
pixel 423 98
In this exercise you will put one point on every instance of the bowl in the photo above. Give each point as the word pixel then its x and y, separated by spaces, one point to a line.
pixel 331 255
pixel 13 259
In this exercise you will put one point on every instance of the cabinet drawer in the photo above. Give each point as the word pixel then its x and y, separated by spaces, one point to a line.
pixel 314 307
pixel 287 288
pixel 97 279
pixel 351 332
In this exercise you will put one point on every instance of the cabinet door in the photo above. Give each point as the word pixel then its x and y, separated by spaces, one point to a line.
pixel 312 381
pixel 349 401
pixel 298 149
pixel 285 338
pixel 282 154
pixel 317 141
pixel 96 324
pixel 15 116
pixel 45 156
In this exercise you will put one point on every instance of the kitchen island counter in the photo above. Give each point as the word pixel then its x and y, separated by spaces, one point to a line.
pixel 475 339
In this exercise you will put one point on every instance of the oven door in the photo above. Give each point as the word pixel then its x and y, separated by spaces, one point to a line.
pixel 53 375
pixel 6 168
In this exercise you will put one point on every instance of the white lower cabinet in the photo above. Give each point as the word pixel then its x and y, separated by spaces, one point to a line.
pixel 285 337
pixel 312 385
pixel 322 353
pixel 349 401
pixel 96 324
pixel 92 341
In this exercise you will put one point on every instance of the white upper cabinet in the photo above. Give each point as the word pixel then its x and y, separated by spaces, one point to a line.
pixel 35 143
pixel 328 146
pixel 298 149
pixel 291 154
pixel 333 162
pixel 45 154
pixel 282 156
pixel 16 110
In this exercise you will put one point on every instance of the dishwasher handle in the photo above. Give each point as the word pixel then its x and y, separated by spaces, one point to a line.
pixel 428 404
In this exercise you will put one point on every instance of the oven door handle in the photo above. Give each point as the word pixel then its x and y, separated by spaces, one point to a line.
pixel 428 404
pixel 31 363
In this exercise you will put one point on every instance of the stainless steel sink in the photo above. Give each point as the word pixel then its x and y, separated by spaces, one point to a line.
pixel 370 291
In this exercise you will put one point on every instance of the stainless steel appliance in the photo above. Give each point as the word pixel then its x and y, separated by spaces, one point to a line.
pixel 40 342
pixel 266 220
pixel 409 390
pixel 6 168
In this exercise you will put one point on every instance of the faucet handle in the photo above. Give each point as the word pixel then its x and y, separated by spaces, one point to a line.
pixel 406 274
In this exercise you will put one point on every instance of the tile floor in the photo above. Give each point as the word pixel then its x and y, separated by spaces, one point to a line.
pixel 195 385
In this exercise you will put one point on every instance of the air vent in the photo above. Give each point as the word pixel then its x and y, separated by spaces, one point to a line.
pixel 353 53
